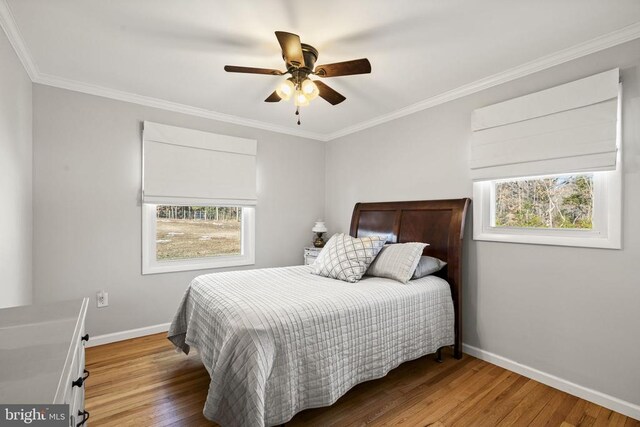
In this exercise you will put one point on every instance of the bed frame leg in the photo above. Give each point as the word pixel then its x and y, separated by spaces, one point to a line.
pixel 439 355
pixel 457 351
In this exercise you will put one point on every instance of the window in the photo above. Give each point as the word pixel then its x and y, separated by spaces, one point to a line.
pixel 550 202
pixel 178 238
pixel 546 166
pixel 568 210
pixel 187 232
pixel 198 200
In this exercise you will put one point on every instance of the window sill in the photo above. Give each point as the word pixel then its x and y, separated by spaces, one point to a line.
pixel 197 264
pixel 589 241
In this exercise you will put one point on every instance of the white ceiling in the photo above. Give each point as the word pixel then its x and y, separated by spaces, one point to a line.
pixel 175 50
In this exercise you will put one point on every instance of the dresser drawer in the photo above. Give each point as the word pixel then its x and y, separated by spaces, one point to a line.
pixel 76 408
pixel 310 255
pixel 75 371
pixel 76 405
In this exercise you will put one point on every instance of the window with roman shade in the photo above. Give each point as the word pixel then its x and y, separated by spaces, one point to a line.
pixel 559 146
pixel 198 199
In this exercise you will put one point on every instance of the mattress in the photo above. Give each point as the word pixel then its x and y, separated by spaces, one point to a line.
pixel 277 341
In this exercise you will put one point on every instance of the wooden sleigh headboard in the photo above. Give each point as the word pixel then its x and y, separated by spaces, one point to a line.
pixel 437 222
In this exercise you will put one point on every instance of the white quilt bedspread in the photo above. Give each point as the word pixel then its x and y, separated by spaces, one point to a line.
pixel 280 340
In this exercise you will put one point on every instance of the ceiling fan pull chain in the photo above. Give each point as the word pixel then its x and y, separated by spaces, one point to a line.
pixel 298 114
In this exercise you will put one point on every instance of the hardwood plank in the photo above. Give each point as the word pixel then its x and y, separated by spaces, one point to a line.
pixel 144 382
pixel 556 410
pixel 529 407
pixel 473 411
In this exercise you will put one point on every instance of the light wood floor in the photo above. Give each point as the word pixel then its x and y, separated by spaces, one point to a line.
pixel 144 382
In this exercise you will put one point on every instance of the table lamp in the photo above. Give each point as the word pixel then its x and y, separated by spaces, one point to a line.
pixel 319 228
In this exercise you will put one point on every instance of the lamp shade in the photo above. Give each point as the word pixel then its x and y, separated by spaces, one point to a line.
pixel 299 99
pixel 309 89
pixel 319 227
pixel 285 90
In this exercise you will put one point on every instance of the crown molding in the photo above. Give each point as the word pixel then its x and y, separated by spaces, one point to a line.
pixel 8 23
pixel 597 44
pixel 148 101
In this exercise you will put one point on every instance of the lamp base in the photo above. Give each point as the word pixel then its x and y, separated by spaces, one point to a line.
pixel 319 242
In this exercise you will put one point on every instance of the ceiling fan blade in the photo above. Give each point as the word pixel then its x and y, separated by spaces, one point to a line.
pixel 330 95
pixel 273 97
pixel 251 70
pixel 347 68
pixel 291 48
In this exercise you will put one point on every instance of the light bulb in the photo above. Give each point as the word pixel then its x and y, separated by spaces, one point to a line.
pixel 285 90
pixel 309 89
pixel 300 99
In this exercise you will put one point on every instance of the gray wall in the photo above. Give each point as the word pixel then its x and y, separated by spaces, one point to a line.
pixel 15 179
pixel 570 312
pixel 87 223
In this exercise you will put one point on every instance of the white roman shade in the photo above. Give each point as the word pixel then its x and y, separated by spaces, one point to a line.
pixel 185 166
pixel 566 129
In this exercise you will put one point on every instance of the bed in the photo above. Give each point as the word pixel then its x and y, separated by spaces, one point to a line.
pixel 280 340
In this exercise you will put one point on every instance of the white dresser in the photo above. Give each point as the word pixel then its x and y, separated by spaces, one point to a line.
pixel 42 348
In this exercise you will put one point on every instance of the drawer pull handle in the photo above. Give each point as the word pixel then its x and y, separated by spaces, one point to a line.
pixel 85 417
pixel 80 380
pixel 85 338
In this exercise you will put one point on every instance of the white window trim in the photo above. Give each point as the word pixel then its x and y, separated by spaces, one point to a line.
pixel 150 265
pixel 607 218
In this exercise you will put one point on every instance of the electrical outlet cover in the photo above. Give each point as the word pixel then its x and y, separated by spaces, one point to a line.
pixel 102 299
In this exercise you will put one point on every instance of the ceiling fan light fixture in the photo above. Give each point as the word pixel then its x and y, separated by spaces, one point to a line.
pixel 300 60
pixel 309 89
pixel 285 90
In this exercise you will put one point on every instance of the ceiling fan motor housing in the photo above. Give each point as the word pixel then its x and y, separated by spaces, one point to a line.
pixel 310 55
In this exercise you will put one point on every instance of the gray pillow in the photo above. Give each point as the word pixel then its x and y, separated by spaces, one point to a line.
pixel 347 258
pixel 397 261
pixel 428 265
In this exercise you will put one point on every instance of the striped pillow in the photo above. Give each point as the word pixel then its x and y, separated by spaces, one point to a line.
pixel 347 258
pixel 397 261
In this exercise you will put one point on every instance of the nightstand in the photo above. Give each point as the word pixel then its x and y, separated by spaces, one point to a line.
pixel 310 254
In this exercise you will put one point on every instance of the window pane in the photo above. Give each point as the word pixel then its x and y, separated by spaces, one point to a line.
pixel 549 202
pixel 184 232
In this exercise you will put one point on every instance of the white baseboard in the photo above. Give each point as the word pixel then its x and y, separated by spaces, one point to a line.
pixel 126 335
pixel 626 408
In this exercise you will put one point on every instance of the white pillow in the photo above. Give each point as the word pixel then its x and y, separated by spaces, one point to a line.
pixel 397 261
pixel 347 258
pixel 428 265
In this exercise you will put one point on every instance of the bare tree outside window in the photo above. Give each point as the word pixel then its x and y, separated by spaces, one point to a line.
pixel 550 202
pixel 184 232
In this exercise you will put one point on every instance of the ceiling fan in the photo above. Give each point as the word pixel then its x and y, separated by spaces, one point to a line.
pixel 300 59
